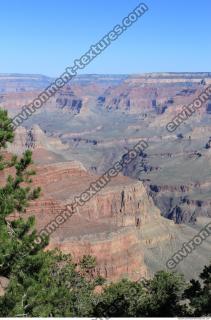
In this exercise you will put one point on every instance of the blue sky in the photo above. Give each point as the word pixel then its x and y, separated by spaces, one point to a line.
pixel 47 36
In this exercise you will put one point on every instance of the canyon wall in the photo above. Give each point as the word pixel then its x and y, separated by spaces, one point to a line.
pixel 111 226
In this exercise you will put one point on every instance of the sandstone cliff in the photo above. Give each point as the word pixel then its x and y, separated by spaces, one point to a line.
pixel 154 93
pixel 114 225
pixel 34 139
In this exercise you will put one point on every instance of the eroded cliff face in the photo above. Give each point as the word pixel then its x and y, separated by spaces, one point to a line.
pixel 154 93
pixel 175 169
pixel 68 101
pixel 181 203
pixel 33 139
pixel 114 225
pixel 119 253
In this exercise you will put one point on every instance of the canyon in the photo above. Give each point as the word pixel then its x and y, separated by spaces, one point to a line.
pixel 160 199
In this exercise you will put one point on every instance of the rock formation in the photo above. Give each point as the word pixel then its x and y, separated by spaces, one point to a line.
pixel 33 139
pixel 67 100
pixel 111 226
pixel 96 120
pixel 153 92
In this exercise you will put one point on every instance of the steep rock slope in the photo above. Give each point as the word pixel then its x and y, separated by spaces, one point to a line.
pixel 46 149
pixel 154 92
pixel 109 226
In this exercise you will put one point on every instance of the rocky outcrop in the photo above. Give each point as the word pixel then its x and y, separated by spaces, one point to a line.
pixel 153 92
pixel 121 218
pixel 119 253
pixel 177 203
pixel 32 139
pixel 68 101
pixel 112 225
pixel 127 99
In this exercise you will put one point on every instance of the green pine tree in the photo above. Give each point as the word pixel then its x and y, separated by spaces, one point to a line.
pixel 40 283
pixel 50 284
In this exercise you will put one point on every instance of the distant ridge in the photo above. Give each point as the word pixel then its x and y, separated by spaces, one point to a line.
pixel 23 75
pixel 96 75
pixel 169 75
pixel 17 82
